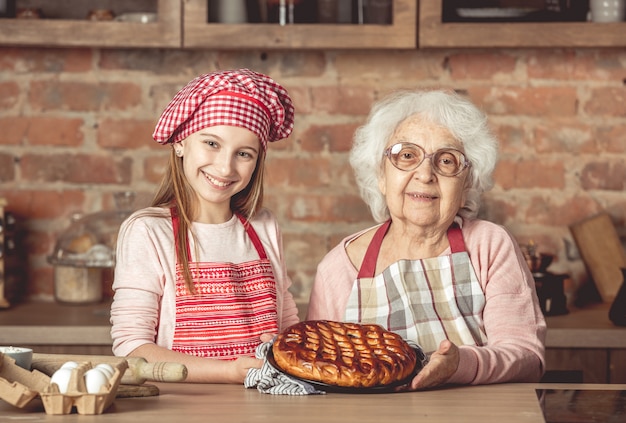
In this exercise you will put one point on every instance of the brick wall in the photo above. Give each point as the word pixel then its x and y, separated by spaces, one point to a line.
pixel 76 124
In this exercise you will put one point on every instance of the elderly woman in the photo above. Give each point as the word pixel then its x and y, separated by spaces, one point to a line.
pixel 431 271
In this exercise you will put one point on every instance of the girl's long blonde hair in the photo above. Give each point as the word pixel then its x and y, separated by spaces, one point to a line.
pixel 175 191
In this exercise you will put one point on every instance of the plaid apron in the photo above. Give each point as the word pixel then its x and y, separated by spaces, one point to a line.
pixel 233 305
pixel 425 301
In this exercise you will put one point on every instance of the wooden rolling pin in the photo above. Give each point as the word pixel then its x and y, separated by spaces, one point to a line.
pixel 139 370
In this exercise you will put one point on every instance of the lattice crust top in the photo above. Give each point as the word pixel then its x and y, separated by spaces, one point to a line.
pixel 344 354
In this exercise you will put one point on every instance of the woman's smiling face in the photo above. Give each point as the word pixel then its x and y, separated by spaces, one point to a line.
pixel 219 162
pixel 422 197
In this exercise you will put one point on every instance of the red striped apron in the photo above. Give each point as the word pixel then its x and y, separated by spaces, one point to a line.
pixel 233 305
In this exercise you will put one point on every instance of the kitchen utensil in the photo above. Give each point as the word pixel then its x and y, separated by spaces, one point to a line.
pixel 136 391
pixel 138 372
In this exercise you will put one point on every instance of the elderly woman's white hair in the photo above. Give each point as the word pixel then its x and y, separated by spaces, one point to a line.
pixel 453 111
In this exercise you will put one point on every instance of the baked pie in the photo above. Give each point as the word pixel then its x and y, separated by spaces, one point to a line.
pixel 344 354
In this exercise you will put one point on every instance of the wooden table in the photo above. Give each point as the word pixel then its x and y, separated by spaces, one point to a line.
pixel 190 403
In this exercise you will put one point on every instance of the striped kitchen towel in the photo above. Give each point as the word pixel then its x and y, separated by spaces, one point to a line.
pixel 269 380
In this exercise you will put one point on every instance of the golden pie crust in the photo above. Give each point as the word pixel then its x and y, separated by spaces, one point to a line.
pixel 344 354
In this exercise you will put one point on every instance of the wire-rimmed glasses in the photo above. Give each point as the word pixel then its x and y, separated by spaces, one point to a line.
pixel 407 156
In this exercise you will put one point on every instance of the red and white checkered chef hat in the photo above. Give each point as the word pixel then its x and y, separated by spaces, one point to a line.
pixel 241 97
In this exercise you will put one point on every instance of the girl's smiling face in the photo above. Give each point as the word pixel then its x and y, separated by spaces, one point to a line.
pixel 219 162
pixel 422 197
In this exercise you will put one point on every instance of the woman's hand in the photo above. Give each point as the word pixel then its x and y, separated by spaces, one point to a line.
pixel 442 364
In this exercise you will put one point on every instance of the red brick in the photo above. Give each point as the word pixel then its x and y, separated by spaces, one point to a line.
pixel 564 65
pixel 333 138
pixel 55 131
pixel 38 242
pixel 9 95
pixel 79 168
pixel 611 139
pixel 388 68
pixel 482 65
pixel 128 134
pixel 530 173
pixel 275 64
pixel 558 136
pixel 154 168
pixel 353 100
pixel 297 172
pixel 512 139
pixel 166 62
pixel 617 211
pixel 285 145
pixel 607 101
pixel 604 175
pixel 304 251
pixel 302 98
pixel 83 96
pixel 534 101
pixel 311 207
pixel 43 204
pixel 13 130
pixel 7 167
pixel 41 283
pixel 497 209
pixel 560 108
pixel 54 60
pixel 41 130
pixel 547 210
pixel 161 94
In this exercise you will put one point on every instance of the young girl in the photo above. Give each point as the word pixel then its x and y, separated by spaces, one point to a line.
pixel 200 275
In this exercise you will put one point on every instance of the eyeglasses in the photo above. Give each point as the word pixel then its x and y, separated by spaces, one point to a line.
pixel 407 156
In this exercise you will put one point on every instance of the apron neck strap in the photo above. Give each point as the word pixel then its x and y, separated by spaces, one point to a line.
pixel 253 236
pixel 249 230
pixel 175 225
pixel 368 267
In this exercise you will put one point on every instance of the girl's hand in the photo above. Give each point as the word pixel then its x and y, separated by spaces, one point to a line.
pixel 441 366
pixel 240 366
pixel 267 337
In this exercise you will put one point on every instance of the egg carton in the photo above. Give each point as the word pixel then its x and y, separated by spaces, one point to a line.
pixel 77 396
pixel 19 386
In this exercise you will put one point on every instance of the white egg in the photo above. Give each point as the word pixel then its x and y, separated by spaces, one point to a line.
pixel 62 379
pixel 94 380
pixel 107 369
pixel 69 365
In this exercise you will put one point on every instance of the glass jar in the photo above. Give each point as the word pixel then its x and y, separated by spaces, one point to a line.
pixel 85 251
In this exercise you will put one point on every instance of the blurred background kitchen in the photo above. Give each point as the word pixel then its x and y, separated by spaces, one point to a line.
pixel 83 82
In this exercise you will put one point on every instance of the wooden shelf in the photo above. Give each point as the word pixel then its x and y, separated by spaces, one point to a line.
pixel 198 33
pixel 83 33
pixel 435 33
pixel 183 24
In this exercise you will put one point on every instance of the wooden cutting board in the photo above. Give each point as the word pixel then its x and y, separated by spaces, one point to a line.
pixel 134 391
pixel 602 252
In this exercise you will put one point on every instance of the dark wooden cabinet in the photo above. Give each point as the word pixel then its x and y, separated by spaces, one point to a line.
pixel 414 24
pixel 585 346
pixel 435 33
